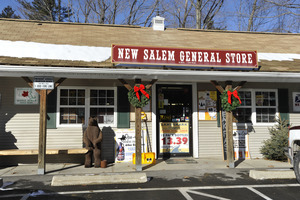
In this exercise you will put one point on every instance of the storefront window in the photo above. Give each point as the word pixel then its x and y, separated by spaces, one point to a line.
pixel 265 106
pixel 102 105
pixel 77 105
pixel 257 107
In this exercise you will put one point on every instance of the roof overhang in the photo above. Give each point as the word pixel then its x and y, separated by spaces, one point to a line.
pixel 147 74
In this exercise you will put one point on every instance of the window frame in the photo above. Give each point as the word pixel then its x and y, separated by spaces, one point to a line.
pixel 87 105
pixel 254 107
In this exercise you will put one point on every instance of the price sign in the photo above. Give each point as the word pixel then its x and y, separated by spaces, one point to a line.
pixel 174 137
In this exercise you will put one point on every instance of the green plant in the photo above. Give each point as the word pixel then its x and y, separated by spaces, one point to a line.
pixel 273 148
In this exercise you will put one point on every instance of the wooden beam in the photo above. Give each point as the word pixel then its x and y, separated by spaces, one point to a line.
pixel 125 84
pixel 138 133
pixel 229 133
pixel 148 86
pixel 56 84
pixel 28 81
pixel 240 85
pixel 138 138
pixel 218 86
pixel 42 132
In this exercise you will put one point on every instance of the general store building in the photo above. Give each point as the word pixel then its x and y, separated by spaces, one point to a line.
pixel 183 99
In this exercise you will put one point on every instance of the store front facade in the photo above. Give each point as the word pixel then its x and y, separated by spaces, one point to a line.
pixel 184 117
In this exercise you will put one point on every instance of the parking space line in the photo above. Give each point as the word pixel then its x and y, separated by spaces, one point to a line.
pixel 259 193
pixel 184 190
pixel 207 195
pixel 185 194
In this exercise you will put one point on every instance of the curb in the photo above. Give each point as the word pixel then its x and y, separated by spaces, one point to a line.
pixel 97 179
pixel 272 174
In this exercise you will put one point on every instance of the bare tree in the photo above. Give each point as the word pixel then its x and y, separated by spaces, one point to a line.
pixel 46 10
pixel 85 8
pixel 268 15
pixel 178 12
pixel 206 10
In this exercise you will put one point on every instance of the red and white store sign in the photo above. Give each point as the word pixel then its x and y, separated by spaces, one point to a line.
pixel 183 57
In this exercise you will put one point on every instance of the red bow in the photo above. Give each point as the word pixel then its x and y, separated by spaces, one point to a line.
pixel 141 88
pixel 235 94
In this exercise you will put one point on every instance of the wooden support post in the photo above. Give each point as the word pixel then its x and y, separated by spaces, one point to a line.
pixel 229 125
pixel 43 123
pixel 42 132
pixel 138 138
pixel 138 134
pixel 229 133
pixel 138 124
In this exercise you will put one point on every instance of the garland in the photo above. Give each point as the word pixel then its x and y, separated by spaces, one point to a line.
pixel 230 100
pixel 139 96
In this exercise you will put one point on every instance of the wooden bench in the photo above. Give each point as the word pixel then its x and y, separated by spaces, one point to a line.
pixel 18 152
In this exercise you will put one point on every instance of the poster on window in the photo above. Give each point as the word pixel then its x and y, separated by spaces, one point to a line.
pixel 174 137
pixel 296 101
pixel 207 105
pixel 125 144
pixel 241 144
pixel 26 96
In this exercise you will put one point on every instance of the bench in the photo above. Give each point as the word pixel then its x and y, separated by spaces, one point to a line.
pixel 18 152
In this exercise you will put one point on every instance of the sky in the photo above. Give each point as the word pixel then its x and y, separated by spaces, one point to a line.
pixel 228 13
pixel 14 5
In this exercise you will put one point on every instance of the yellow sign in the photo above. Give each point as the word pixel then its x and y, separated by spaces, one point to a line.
pixel 174 137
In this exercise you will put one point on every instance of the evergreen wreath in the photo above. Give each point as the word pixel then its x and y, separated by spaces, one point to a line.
pixel 234 100
pixel 133 99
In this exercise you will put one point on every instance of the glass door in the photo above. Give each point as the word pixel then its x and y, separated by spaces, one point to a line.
pixel 174 117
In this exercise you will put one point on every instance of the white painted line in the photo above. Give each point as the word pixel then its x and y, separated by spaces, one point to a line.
pixel 160 189
pixel 185 194
pixel 207 195
pixel 259 193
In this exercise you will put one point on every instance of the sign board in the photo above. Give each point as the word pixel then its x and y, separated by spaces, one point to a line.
pixel 26 96
pixel 296 101
pixel 207 105
pixel 241 144
pixel 223 131
pixel 43 82
pixel 174 137
pixel 125 144
pixel 186 58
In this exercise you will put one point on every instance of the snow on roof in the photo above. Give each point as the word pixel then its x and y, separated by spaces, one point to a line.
pixel 23 49
pixel 278 56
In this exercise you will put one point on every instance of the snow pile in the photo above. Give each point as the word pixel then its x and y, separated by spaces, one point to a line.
pixel 22 49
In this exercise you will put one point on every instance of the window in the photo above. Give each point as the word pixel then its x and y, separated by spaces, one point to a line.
pixel 258 106
pixel 102 105
pixel 76 105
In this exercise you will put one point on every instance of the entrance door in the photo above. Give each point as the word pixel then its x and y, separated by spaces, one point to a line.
pixel 174 117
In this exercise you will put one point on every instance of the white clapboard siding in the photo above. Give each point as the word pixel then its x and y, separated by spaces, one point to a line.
pixel 256 138
pixel 65 138
pixel 210 140
pixel 295 119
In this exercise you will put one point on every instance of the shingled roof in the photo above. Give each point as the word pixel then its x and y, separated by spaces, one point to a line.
pixel 106 35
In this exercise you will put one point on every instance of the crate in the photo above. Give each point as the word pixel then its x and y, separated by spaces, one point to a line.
pixel 147 158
